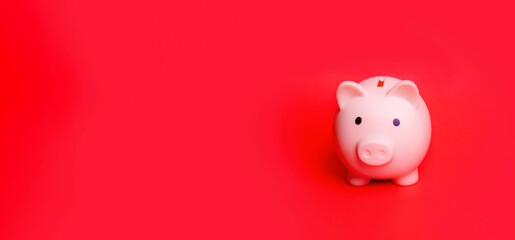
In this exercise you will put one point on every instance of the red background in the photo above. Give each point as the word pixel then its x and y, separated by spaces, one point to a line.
pixel 213 119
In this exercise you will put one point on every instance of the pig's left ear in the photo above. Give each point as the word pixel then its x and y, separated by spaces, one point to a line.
pixel 347 91
pixel 406 90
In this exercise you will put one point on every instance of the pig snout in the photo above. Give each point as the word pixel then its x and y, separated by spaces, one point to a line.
pixel 375 151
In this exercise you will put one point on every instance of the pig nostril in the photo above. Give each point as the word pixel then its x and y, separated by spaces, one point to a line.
pixel 367 153
pixel 381 153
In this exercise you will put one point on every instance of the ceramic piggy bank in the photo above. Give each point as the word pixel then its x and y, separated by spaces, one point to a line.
pixel 382 130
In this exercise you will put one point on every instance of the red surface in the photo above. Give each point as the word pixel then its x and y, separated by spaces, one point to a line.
pixel 170 120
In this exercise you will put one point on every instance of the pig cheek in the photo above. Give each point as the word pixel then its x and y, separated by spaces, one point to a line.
pixel 407 141
pixel 347 137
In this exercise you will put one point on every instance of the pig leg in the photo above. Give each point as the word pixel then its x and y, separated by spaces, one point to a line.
pixel 409 179
pixel 356 180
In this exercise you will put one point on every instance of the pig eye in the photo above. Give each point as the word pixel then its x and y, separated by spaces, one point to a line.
pixel 358 121
pixel 396 122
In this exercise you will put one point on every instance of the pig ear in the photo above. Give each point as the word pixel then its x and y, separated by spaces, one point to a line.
pixel 406 90
pixel 348 90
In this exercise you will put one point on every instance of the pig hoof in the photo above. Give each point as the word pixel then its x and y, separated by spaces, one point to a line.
pixel 358 181
pixel 410 179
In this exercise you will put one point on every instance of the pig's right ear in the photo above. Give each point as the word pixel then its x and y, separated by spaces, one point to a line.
pixel 347 91
pixel 406 90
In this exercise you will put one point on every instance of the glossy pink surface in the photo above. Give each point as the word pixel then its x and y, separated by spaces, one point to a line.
pixel 382 130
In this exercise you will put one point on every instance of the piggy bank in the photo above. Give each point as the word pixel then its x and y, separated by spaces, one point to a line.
pixel 382 130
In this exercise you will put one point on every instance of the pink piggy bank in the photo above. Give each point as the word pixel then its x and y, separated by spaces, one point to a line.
pixel 382 130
